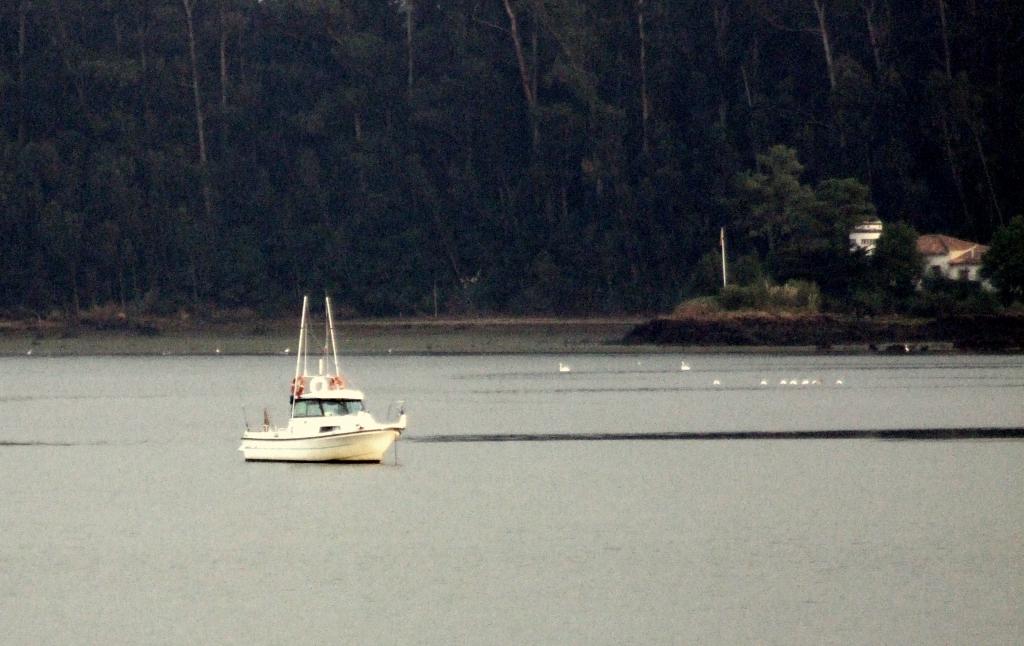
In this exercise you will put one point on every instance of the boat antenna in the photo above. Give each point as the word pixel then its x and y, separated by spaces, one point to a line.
pixel 323 364
pixel 330 326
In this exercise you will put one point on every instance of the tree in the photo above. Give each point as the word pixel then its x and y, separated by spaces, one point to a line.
pixel 897 264
pixel 1003 263
pixel 645 101
pixel 189 6
pixel 819 251
pixel 842 205
pixel 560 154
pixel 527 72
pixel 776 209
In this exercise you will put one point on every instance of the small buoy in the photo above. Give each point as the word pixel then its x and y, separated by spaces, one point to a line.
pixel 815 382
pixel 839 382
pixel 684 366
pixel 716 383
pixel 792 382
pixel 563 367
pixel 764 382
pixel 782 382
pixel 805 382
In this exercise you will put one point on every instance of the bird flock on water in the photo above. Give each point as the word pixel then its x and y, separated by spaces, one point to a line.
pixel 685 367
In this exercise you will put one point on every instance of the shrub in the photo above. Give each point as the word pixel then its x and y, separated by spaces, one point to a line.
pixel 795 295
pixel 697 307
pixel 941 297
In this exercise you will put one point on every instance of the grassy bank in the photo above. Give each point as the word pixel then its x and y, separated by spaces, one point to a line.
pixel 721 332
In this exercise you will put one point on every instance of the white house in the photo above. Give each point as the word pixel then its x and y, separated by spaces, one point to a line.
pixel 944 256
pixel 951 257
pixel 865 235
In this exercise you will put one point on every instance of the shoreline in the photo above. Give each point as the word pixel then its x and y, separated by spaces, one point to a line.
pixel 828 333
pixel 445 336
pixel 493 335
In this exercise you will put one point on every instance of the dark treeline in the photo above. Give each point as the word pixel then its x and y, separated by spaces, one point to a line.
pixel 495 155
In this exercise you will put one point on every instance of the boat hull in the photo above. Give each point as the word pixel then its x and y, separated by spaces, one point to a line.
pixel 355 446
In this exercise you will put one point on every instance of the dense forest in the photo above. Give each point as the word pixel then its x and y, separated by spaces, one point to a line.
pixel 485 155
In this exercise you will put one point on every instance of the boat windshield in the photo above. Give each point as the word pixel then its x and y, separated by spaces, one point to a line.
pixel 321 407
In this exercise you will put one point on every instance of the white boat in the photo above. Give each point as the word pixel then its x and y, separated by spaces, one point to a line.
pixel 328 421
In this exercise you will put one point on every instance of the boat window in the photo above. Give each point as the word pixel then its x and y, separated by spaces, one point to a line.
pixel 307 408
pixel 334 407
pixel 323 407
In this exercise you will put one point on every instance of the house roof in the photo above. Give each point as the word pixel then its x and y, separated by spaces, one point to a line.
pixel 960 252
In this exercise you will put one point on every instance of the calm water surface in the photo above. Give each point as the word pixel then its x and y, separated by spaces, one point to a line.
pixel 128 516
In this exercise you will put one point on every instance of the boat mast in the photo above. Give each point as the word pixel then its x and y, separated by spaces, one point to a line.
pixel 302 338
pixel 299 353
pixel 330 326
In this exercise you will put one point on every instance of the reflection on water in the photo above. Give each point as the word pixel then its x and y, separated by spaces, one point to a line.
pixel 527 505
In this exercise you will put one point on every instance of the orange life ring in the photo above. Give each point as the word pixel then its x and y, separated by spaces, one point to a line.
pixel 337 382
pixel 297 387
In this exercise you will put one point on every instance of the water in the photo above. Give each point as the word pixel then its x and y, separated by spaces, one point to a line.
pixel 129 516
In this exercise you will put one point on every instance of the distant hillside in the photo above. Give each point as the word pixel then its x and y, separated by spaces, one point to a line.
pixel 465 157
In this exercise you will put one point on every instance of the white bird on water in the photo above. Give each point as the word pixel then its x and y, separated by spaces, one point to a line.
pixel 716 382
pixel 29 353
pixel 839 382
pixel 564 367
pixel 684 366
pixel 764 382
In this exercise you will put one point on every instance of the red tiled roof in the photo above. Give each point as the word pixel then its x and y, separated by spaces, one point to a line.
pixel 960 252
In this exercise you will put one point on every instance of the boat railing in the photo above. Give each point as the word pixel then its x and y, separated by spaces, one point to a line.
pixel 395 410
